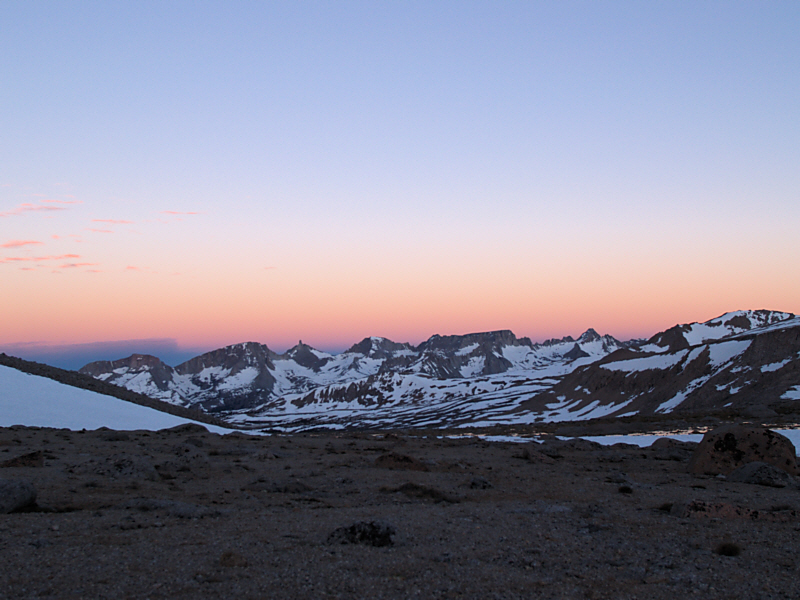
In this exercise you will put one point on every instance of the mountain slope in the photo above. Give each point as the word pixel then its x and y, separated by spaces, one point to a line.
pixel 39 401
pixel 249 376
pixel 740 359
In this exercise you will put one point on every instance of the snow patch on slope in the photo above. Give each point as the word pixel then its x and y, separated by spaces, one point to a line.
pixel 646 363
pixel 41 402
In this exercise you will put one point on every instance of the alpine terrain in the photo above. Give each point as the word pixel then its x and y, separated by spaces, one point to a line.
pixel 744 360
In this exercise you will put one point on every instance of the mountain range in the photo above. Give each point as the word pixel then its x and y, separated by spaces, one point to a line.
pixel 745 360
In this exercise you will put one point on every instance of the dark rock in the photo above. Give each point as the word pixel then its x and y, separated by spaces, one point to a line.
pixel 670 449
pixel 760 473
pixel 188 428
pixel 666 443
pixel 479 483
pixel 369 534
pixel 232 559
pixel 16 495
pixel 759 411
pixel 532 455
pixel 393 460
pixel 424 492
pixel 109 435
pixel 32 459
pixel 729 447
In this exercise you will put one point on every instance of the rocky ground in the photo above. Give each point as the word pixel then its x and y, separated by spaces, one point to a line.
pixel 188 514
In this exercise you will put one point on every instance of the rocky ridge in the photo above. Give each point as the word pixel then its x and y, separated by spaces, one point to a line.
pixel 745 360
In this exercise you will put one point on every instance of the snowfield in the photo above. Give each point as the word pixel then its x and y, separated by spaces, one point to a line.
pixel 41 402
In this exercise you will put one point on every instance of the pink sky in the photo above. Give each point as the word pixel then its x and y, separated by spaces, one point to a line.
pixel 268 172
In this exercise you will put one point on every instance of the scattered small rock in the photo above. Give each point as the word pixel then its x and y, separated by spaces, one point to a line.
pixel 121 466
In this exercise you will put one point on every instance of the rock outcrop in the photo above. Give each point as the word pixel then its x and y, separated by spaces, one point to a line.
pixel 729 447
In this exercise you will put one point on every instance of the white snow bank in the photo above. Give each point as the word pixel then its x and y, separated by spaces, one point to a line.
pixel 725 351
pixel 793 393
pixel 41 402
pixel 658 361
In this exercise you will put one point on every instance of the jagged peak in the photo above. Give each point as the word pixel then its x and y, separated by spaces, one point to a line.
pixel 500 337
pixel 567 339
pixel 375 344
pixel 748 319
pixel 590 335
pixel 134 361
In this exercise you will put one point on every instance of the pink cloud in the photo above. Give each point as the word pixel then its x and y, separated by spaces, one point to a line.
pixel 19 243
pixel 28 207
pixel 99 230
pixel 132 268
pixel 10 259
pixel 76 265
pixel 63 201
pixel 112 221
pixel 178 213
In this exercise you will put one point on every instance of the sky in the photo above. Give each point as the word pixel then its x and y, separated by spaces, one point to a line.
pixel 176 177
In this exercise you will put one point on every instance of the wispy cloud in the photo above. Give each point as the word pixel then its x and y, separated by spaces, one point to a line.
pixel 113 221
pixel 14 259
pixel 99 230
pixel 63 201
pixel 179 213
pixel 42 206
pixel 76 265
pixel 19 243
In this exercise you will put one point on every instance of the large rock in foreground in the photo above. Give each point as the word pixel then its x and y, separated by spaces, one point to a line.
pixel 15 495
pixel 729 447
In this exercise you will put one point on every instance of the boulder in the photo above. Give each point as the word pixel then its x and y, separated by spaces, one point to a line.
pixel 16 495
pixel 727 448
pixel 760 473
